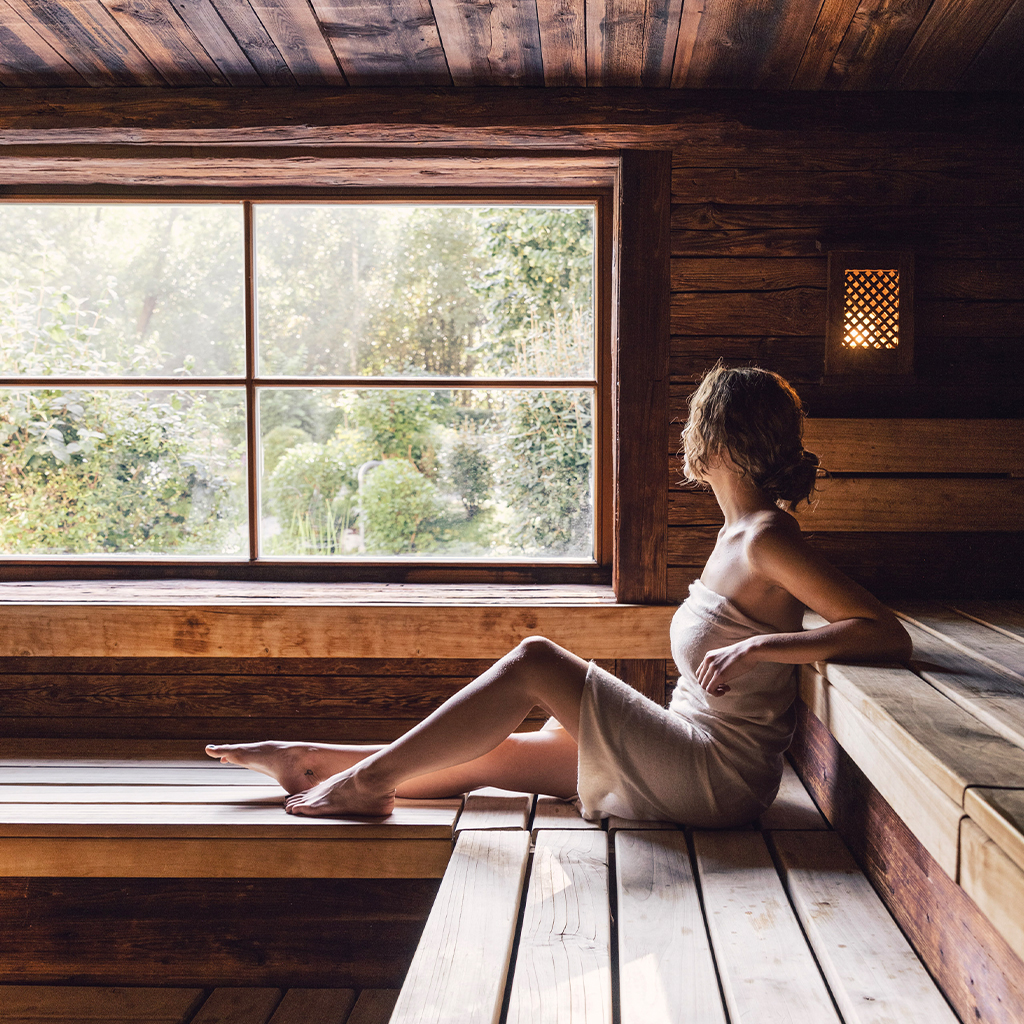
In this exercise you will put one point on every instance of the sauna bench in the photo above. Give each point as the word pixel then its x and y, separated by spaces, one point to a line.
pixel 183 619
pixel 942 740
pixel 706 926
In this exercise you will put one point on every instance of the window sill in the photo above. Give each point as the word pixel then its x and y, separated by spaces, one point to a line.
pixel 229 619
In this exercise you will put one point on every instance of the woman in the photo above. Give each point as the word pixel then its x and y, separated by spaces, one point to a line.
pixel 714 757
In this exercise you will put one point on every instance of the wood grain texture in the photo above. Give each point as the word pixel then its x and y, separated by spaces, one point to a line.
pixel 872 971
pixel 766 969
pixel 874 43
pixel 213 35
pixel 239 1006
pixel 256 42
pixel 208 858
pixel 551 813
pixel 985 689
pixel 368 632
pixel 314 1006
pixel 931 61
pixel 91 40
pixel 952 747
pixel 563 969
pixel 491 808
pixel 460 966
pixel 373 1006
pixel 994 65
pixel 384 44
pixel 277 933
pixel 39 1003
pixel 639 409
pixel 29 60
pixel 1006 616
pixel 298 37
pixel 995 882
pixel 977 970
pixel 991 646
pixel 166 41
pixel 823 43
pixel 490 43
pixel 931 815
pixel 666 971
pixel 793 809
pixel 563 40
pixel 1000 814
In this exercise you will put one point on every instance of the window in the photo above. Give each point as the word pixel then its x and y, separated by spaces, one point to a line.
pixel 258 381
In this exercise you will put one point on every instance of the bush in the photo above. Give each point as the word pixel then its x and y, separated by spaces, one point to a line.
pixel 402 511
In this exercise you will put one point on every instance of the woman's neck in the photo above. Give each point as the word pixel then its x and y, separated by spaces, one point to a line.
pixel 737 495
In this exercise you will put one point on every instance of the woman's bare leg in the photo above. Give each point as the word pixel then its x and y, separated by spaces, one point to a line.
pixel 468 741
pixel 529 762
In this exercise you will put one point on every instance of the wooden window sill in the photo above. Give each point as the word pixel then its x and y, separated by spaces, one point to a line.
pixel 225 619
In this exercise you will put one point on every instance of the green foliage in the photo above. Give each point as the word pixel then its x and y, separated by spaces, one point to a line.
pixel 402 510
pixel 546 473
pixel 278 441
pixel 400 423
pixel 106 471
pixel 467 471
pixel 312 493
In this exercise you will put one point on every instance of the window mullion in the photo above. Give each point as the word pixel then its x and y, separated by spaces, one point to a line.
pixel 251 410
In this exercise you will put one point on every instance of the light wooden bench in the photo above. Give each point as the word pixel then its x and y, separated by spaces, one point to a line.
pixel 650 917
pixel 941 740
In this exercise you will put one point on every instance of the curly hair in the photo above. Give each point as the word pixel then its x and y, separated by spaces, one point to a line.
pixel 758 418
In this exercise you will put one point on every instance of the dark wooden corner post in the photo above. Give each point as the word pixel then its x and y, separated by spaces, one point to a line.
pixel 640 402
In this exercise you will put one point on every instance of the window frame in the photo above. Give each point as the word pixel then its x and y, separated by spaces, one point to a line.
pixel 252 566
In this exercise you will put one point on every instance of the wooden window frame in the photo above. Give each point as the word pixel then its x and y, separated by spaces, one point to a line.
pixel 632 296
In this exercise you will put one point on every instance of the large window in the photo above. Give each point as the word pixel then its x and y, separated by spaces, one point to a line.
pixel 267 381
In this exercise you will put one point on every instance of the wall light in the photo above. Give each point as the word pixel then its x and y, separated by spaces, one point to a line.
pixel 870 328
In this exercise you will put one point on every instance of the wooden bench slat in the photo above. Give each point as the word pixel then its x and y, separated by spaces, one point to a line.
pixel 492 808
pixel 948 743
pixel 126 857
pixel 73 773
pixel 551 813
pixel 314 1006
pixel 613 823
pixel 967 635
pixel 929 813
pixel 793 808
pixel 238 1006
pixel 426 820
pixel 872 971
pixel 1000 812
pixel 374 1006
pixel 241 796
pixel 984 690
pixel 666 971
pixel 1006 616
pixel 60 1003
pixel 767 971
pixel 562 971
pixel 459 969
pixel 994 882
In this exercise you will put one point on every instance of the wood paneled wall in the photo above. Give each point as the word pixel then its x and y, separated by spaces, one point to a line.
pixel 752 220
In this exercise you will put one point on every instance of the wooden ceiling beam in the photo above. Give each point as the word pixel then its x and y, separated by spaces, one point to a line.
pixel 488 118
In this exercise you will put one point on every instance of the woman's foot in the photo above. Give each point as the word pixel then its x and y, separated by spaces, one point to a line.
pixel 346 793
pixel 295 767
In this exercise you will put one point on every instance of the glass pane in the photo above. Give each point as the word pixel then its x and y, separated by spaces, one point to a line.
pixel 121 290
pixel 481 473
pixel 117 472
pixel 450 291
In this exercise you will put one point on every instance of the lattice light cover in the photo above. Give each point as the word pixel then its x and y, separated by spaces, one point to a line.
pixel 871 309
pixel 869 330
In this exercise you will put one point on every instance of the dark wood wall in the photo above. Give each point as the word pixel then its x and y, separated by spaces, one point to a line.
pixel 753 215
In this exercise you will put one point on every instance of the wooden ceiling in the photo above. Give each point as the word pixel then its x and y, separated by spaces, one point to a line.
pixel 696 44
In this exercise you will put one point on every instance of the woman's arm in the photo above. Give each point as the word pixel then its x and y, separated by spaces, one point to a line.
pixel 860 628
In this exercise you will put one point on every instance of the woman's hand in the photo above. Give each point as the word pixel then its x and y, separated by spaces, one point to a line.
pixel 725 663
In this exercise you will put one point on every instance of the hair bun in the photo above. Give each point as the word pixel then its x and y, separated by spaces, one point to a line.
pixel 794 480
